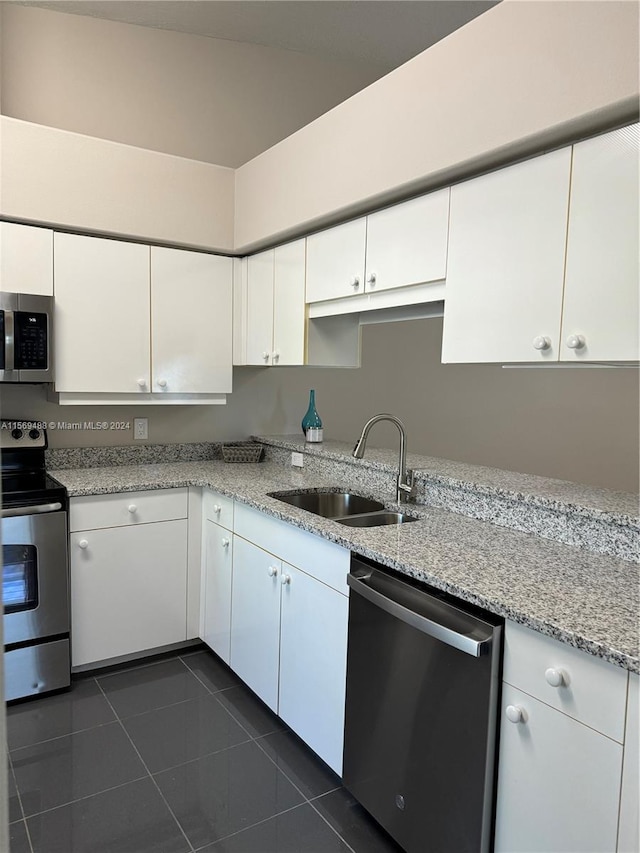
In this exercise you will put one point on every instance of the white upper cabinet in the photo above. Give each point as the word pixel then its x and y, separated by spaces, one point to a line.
pixel 335 261
pixel 288 303
pixel 600 318
pixel 102 306
pixel 191 296
pixel 26 259
pixel 543 259
pixel 506 263
pixel 407 243
pixel 275 306
pixel 399 246
pixel 135 324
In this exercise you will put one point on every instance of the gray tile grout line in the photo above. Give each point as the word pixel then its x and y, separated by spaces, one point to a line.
pixel 291 782
pixel 24 817
pixel 157 787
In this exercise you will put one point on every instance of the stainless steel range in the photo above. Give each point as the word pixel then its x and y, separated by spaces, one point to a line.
pixel 35 565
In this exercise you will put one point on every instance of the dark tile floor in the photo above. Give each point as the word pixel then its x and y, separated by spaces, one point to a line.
pixel 172 756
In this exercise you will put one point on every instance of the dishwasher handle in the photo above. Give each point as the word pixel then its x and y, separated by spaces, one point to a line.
pixel 474 646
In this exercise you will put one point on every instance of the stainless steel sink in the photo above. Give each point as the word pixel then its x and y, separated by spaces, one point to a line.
pixel 344 507
pixel 377 519
pixel 330 504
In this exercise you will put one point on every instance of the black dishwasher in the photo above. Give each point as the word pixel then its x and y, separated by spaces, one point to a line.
pixel 423 682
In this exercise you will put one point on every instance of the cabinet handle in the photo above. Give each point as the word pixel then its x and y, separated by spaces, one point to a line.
pixel 142 383
pixel 275 357
pixel 132 508
pixel 355 282
pixel 541 342
pixel 265 356
pixel 576 341
pixel 217 508
pixel 371 278
pixel 225 543
pixel 556 677
pixel 285 579
pixel 83 543
pixel 273 571
pixel 516 714
pixel 162 383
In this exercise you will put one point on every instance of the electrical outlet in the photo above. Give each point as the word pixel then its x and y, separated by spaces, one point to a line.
pixel 140 428
pixel 297 459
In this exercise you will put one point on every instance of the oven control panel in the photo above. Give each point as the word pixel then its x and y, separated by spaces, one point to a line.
pixel 22 435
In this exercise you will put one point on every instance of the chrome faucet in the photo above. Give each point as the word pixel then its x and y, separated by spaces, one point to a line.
pixel 405 478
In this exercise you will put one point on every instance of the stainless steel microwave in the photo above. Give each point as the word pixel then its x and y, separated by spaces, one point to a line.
pixel 26 338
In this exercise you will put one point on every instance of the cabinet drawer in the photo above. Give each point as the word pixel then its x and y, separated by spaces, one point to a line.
pixel 217 508
pixel 592 690
pixel 125 508
pixel 323 560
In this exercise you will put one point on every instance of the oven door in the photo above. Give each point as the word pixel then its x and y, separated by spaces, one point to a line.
pixel 35 585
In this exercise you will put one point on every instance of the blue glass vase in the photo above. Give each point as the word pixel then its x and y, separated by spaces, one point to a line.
pixel 311 422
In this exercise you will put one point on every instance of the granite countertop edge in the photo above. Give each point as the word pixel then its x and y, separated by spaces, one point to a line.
pixel 392 547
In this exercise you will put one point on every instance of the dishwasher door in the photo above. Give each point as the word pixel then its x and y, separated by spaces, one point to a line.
pixel 423 680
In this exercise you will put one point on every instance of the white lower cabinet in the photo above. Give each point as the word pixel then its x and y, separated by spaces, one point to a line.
pixel 255 619
pixel 562 748
pixel 558 783
pixel 276 609
pixel 313 649
pixel 128 589
pixel 128 558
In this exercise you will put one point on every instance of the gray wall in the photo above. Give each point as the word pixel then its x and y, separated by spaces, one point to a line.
pixel 574 424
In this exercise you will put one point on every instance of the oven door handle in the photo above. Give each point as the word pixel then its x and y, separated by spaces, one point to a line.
pixel 12 512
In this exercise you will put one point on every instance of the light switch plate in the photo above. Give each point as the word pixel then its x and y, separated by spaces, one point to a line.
pixel 297 459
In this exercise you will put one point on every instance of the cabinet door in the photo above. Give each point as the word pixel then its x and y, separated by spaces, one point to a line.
pixel 505 267
pixel 313 661
pixel 407 243
pixel 288 303
pixel 101 315
pixel 260 308
pixel 601 286
pixel 255 619
pixel 629 830
pixel 217 589
pixel 128 590
pixel 558 782
pixel 26 259
pixel 191 321
pixel 335 261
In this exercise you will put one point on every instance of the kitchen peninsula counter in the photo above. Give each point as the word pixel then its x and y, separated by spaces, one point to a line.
pixel 588 600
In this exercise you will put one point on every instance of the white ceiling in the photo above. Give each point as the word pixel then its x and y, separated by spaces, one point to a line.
pixel 382 32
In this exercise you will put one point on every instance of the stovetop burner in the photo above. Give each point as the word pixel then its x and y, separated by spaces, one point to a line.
pixel 25 481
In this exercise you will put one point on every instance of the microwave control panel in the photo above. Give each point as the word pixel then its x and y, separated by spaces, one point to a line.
pixel 30 341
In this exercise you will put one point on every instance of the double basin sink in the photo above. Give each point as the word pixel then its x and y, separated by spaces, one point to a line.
pixel 344 507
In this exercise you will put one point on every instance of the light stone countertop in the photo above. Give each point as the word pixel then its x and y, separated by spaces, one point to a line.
pixel 587 600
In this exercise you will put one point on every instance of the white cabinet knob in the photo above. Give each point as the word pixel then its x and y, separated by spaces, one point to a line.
pixel 225 543
pixel 576 341
pixel 142 383
pixel 371 278
pixel 217 508
pixel 285 579
pixel 265 356
pixel 83 544
pixel 355 282
pixel 555 677
pixel 275 356
pixel 162 383
pixel 132 508
pixel 541 342
pixel 273 571
pixel 515 714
